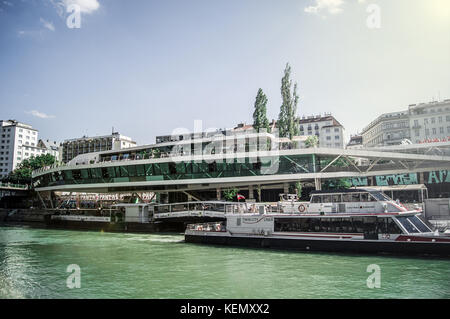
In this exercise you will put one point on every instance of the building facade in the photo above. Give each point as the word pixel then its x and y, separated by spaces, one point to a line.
pixel 50 147
pixel 356 142
pixel 328 130
pixel 387 129
pixel 430 121
pixel 420 123
pixel 18 141
pixel 74 147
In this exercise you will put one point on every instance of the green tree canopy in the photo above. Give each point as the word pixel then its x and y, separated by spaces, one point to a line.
pixel 22 174
pixel 260 120
pixel 287 122
pixel 312 141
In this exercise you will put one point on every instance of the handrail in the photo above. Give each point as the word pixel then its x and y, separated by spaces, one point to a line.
pixel 12 185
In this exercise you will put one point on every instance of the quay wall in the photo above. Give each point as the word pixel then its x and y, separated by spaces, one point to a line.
pixel 22 215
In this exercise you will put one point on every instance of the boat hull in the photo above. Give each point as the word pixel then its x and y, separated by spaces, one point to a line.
pixel 440 249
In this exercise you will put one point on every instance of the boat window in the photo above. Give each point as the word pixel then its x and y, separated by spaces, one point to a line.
pixel 355 198
pixel 326 199
pixel 410 228
pixel 364 197
pixel 388 226
pixel 346 225
pixel 316 199
pixel 418 224
pixel 426 222
pixel 336 198
pixel 346 198
pixel 358 224
pixel 314 225
pixel 380 196
pixel 325 225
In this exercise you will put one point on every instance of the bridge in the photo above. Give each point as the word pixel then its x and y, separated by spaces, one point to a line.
pixel 197 177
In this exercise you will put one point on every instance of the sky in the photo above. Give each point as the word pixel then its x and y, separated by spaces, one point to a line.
pixel 148 67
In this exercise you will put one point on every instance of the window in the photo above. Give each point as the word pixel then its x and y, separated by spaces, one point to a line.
pixel 316 199
pixel 388 226
pixel 336 137
pixel 336 198
pixel 346 198
pixel 419 224
pixel 326 198
pixel 427 131
pixel 440 119
pixel 355 197
pixel 433 120
pixel 441 130
pixel 434 131
pixel 410 228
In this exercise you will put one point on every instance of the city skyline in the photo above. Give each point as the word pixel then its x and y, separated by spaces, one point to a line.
pixel 150 68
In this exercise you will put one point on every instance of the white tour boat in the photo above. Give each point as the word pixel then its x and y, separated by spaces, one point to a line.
pixel 355 220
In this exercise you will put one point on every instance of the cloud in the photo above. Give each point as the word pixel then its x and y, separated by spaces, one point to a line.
pixel 7 3
pixel 331 6
pixel 40 114
pixel 86 6
pixel 48 25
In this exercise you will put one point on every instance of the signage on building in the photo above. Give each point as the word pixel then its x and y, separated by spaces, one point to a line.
pixel 437 177
pixel 397 179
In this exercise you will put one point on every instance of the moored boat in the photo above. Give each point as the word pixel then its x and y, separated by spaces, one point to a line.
pixel 351 221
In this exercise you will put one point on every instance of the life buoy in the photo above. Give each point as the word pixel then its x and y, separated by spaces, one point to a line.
pixel 217 227
pixel 301 208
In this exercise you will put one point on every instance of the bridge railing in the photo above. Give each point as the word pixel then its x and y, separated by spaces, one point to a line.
pixel 12 185
pixel 224 207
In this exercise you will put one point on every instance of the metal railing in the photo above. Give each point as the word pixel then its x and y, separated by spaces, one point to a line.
pixel 11 185
pixel 223 207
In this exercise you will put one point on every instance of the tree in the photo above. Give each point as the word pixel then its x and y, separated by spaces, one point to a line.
pixel 298 187
pixel 230 194
pixel 260 120
pixel 22 174
pixel 341 183
pixel 287 122
pixel 312 141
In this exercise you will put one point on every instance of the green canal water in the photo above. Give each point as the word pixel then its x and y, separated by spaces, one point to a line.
pixel 33 264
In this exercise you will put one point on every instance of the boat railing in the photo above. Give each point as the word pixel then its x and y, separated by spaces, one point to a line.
pixel 220 207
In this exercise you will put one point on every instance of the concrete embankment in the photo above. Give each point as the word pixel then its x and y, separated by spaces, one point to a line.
pixel 22 216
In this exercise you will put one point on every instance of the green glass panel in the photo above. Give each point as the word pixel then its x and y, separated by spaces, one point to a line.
pixel 148 169
pixel 131 170
pixel 140 170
